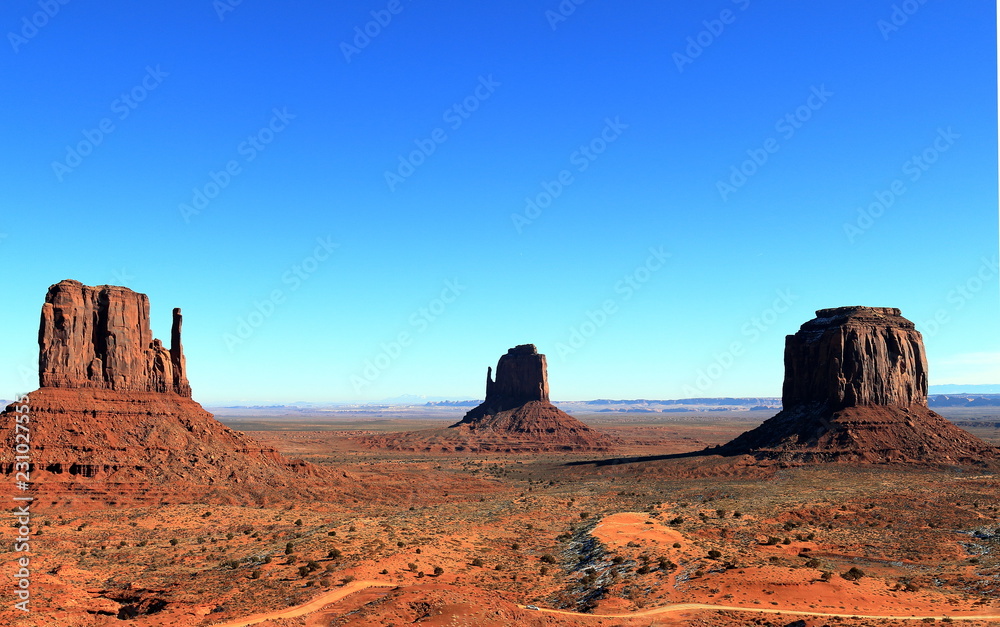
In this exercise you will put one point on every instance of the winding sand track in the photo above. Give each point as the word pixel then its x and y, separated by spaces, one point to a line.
pixel 310 607
pixel 681 607
pixel 357 586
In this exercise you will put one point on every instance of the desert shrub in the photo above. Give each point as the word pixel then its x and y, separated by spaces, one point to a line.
pixel 231 564
pixel 384 571
pixel 477 562
pixel 826 576
pixel 617 559
pixel 174 541
pixel 334 554
pixel 677 545
pixel 676 521
pixel 313 565
pixel 667 565
pixel 786 541
pixel 438 571
pixel 418 551
pixel 420 575
pixel 400 544
pixel 331 533
pixel 498 567
pixel 298 523
pixel 544 570
pixel 347 579
pixel 548 558
pixel 267 559
pixel 713 554
pixel 515 546
pixel 289 548
pixel 230 536
pixel 303 571
pixel 642 570
pixel 721 513
pixel 812 563
pixel 584 515
pixel 853 574
pixel 412 567
pixel 255 574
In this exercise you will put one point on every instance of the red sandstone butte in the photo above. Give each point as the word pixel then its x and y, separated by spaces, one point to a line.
pixel 855 389
pixel 114 422
pixel 517 408
pixel 99 337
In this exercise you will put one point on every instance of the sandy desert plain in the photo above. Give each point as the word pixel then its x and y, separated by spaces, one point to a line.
pixel 444 538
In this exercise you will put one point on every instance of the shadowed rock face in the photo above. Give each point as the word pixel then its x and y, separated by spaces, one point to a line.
pixel 852 356
pixel 522 377
pixel 855 389
pixel 99 337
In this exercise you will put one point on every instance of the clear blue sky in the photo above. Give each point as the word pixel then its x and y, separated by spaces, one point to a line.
pixel 627 124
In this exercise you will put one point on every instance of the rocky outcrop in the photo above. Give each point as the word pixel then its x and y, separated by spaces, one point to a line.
pixel 855 356
pixel 114 422
pixel 517 414
pixel 855 389
pixel 99 337
pixel 522 377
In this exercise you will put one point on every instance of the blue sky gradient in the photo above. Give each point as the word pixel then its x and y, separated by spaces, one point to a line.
pixel 346 217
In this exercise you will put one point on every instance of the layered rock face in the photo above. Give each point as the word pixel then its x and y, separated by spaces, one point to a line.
pixel 114 422
pixel 99 337
pixel 517 414
pixel 855 356
pixel 855 389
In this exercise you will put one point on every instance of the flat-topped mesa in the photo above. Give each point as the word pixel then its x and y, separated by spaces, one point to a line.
pixel 855 356
pixel 100 337
pixel 855 390
pixel 521 378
